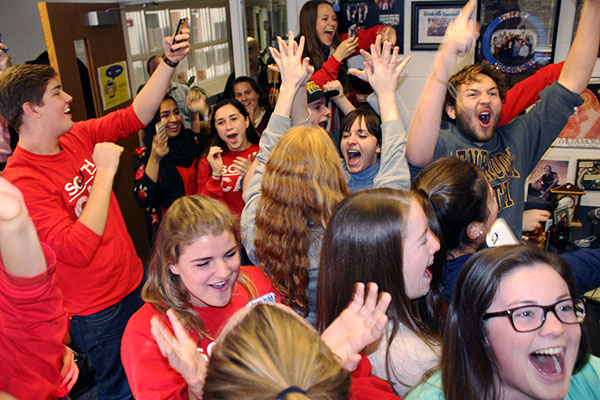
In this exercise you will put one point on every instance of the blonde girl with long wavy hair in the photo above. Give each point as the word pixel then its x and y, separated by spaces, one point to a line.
pixel 195 271
pixel 296 184
pixel 302 183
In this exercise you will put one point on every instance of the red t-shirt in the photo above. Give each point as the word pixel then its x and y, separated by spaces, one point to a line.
pixel 368 387
pixel 33 322
pixel 527 92
pixel 94 272
pixel 228 189
pixel 148 372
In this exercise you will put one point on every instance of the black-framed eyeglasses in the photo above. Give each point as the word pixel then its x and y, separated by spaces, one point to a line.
pixel 531 318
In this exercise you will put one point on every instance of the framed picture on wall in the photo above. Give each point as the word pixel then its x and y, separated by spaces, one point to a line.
pixel 429 21
pixel 356 15
pixel 588 174
pixel 547 174
pixel 561 216
pixel 517 37
pixel 583 128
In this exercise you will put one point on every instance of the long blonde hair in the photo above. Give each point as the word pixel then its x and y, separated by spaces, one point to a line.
pixel 302 183
pixel 269 350
pixel 188 219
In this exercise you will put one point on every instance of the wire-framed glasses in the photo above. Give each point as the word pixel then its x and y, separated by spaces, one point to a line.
pixel 532 317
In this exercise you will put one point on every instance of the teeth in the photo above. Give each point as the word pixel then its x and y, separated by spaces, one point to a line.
pixel 219 285
pixel 353 154
pixel 550 351
pixel 485 113
pixel 430 263
pixel 68 109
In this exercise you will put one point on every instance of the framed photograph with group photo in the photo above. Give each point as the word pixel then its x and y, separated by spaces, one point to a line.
pixel 429 22
pixel 517 37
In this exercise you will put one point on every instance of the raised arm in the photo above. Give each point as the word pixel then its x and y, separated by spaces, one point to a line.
pixel 198 107
pixel 148 99
pixel 383 72
pixel 20 247
pixel 583 53
pixel 360 324
pixel 95 213
pixel 341 101
pixel 295 72
pixel 425 127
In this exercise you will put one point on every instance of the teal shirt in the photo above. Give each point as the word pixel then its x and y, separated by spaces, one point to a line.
pixel 585 385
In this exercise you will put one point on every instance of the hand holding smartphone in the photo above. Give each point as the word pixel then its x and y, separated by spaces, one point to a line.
pixel 180 25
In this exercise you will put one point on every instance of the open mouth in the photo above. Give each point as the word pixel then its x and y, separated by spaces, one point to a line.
pixel 173 128
pixel 353 157
pixel 67 110
pixel 329 32
pixel 323 124
pixel 232 136
pixel 485 118
pixel 428 274
pixel 549 362
pixel 220 286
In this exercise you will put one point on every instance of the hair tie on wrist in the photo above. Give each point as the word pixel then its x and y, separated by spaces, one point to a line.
pixel 170 63
pixel 291 389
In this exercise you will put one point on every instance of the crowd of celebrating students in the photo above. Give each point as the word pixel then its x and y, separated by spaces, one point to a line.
pixel 286 265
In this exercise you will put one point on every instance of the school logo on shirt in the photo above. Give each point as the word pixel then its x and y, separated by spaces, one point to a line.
pixel 231 180
pixel 499 168
pixel 80 184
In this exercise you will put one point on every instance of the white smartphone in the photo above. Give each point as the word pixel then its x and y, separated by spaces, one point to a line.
pixel 500 234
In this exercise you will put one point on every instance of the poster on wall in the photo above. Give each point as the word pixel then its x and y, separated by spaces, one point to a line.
pixel 583 128
pixel 547 174
pixel 517 37
pixel 114 84
pixel 355 15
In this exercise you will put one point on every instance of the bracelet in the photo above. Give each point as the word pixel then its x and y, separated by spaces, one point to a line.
pixel 217 176
pixel 170 63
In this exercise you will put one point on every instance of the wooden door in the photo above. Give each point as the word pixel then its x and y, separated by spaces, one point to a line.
pixel 63 24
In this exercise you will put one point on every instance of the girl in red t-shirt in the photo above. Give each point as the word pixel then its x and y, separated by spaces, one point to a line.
pixel 194 270
pixel 232 149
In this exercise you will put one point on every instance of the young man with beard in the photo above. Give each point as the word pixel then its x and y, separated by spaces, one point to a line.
pixel 472 98
pixel 65 171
